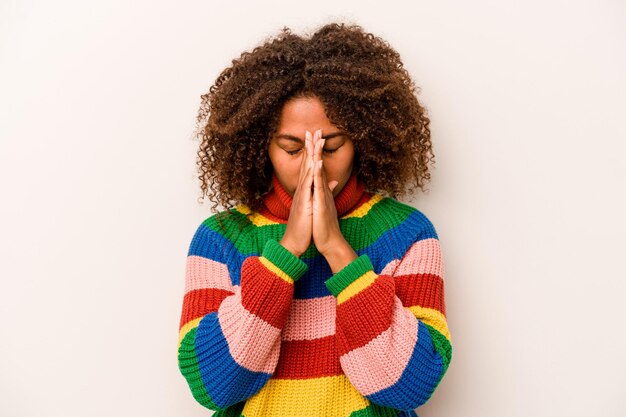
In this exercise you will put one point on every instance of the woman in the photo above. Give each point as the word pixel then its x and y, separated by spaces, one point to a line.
pixel 313 293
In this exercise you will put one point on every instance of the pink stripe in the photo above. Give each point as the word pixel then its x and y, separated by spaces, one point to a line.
pixel 423 257
pixel 205 273
pixel 252 342
pixel 311 318
pixel 380 363
pixel 390 267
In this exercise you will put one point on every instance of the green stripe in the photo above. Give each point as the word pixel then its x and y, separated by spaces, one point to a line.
pixel 188 365
pixel 443 347
pixel 382 216
pixel 231 231
pixel 376 410
pixel 350 273
pixel 286 261
pixel 234 410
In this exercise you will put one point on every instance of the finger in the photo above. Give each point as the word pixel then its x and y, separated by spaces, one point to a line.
pixel 317 135
pixel 304 186
pixel 308 155
pixel 323 174
pixel 309 144
pixel 316 145
pixel 311 154
pixel 302 165
pixel 318 181
pixel 308 183
pixel 308 148
pixel 321 148
pixel 317 196
pixel 327 189
pixel 305 163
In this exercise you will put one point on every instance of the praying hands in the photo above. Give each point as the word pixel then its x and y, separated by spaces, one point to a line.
pixel 313 215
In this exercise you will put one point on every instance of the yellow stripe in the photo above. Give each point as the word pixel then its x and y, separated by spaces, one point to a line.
pixel 432 317
pixel 259 220
pixel 243 209
pixel 269 265
pixel 186 328
pixel 365 208
pixel 331 396
pixel 256 218
pixel 356 286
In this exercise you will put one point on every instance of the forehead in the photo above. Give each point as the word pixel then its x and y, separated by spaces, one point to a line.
pixel 303 113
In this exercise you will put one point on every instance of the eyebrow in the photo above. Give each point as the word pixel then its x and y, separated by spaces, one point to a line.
pixel 297 139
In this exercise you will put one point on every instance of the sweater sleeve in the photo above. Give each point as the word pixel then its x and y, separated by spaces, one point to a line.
pixel 229 335
pixel 391 329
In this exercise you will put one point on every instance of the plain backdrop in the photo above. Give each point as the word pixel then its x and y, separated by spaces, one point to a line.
pixel 99 196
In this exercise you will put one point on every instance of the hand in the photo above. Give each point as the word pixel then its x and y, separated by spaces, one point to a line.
pixel 327 235
pixel 298 233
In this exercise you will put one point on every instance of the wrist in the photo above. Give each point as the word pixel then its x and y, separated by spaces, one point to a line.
pixel 287 245
pixel 281 261
pixel 339 256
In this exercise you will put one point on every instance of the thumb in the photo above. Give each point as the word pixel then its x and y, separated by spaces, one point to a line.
pixel 333 184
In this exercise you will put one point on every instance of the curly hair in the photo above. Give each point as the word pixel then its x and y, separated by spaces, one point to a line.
pixel 365 90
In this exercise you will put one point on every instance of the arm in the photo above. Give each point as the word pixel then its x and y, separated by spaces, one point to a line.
pixel 229 335
pixel 392 335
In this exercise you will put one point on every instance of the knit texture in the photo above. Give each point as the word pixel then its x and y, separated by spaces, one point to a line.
pixel 265 333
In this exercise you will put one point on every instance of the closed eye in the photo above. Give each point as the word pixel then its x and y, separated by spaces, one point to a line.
pixel 298 150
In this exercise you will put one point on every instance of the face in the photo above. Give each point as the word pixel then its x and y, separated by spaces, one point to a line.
pixel 286 147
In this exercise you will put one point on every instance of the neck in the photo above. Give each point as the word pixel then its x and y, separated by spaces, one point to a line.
pixel 277 202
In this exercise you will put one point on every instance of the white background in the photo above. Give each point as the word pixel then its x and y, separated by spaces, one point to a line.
pixel 99 194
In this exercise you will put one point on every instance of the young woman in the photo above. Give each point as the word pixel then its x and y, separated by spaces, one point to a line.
pixel 314 292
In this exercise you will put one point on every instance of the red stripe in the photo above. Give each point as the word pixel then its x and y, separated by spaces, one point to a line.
pixel 365 315
pixel 265 294
pixel 365 197
pixel 425 290
pixel 301 359
pixel 198 303
pixel 266 213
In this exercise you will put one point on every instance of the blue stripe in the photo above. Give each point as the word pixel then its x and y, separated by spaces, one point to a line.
pixel 212 245
pixel 225 380
pixel 419 379
pixel 415 227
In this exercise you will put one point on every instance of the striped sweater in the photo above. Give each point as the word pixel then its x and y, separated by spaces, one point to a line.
pixel 265 333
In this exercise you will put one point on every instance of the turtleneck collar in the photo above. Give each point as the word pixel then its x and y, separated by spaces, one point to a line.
pixel 278 201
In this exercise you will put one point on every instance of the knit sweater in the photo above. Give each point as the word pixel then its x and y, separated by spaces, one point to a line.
pixel 264 333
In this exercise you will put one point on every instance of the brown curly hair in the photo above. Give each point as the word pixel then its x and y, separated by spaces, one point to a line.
pixel 363 86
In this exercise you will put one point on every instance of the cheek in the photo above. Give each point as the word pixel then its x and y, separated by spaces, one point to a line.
pixel 286 165
pixel 341 166
pixel 287 170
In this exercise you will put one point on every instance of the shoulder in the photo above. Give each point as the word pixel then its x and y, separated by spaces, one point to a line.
pixel 399 217
pixel 222 229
